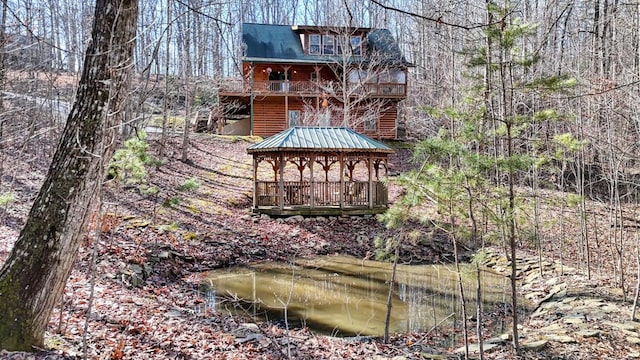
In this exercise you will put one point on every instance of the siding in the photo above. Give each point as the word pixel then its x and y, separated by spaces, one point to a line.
pixel 270 117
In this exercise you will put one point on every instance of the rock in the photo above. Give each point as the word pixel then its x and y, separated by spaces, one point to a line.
pixel 596 315
pixel 540 312
pixel 250 326
pixel 532 276
pixel 557 291
pixel 250 338
pixel 565 339
pixel 554 328
pixel 533 295
pixel 362 239
pixel 587 333
pixel 610 308
pixel 474 348
pixel 628 326
pixel 534 345
pixel 432 356
pixel 633 340
pixel 593 302
pixel 552 281
pixel 257 252
pixel 294 219
pixel 574 319
pixel 498 340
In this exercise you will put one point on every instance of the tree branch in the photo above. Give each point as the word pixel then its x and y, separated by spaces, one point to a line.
pixel 437 21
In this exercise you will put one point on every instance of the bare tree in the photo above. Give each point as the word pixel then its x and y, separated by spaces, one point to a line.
pixel 33 278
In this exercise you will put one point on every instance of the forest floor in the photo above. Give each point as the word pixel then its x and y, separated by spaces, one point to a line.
pixel 141 279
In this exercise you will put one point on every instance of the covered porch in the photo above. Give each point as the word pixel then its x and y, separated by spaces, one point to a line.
pixel 319 171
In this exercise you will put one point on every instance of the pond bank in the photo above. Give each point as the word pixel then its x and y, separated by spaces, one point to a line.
pixel 572 317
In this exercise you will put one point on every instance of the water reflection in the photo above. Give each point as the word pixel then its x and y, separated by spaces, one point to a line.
pixel 345 296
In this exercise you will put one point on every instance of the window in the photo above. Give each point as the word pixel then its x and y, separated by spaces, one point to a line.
pixel 294 118
pixel 314 44
pixel 328 42
pixel 314 76
pixel 324 44
pixel 370 121
pixel 356 45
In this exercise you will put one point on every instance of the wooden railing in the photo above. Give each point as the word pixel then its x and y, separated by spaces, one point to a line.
pixel 325 193
pixel 312 87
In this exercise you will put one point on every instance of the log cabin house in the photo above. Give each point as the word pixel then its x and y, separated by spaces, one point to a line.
pixel 319 171
pixel 316 76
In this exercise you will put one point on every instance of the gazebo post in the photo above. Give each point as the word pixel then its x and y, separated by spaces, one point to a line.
pixel 281 182
pixel 341 192
pixel 255 181
pixel 312 187
pixel 371 192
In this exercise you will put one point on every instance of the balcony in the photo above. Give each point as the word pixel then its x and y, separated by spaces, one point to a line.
pixel 311 88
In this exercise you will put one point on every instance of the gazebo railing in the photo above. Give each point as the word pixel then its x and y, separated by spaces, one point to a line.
pixel 325 193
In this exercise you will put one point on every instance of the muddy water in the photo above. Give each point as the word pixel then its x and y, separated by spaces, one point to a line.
pixel 345 296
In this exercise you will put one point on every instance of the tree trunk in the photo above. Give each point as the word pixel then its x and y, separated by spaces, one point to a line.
pixel 33 278
pixel 3 39
pixel 387 319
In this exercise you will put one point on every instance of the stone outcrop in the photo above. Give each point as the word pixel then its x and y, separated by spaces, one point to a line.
pixel 567 312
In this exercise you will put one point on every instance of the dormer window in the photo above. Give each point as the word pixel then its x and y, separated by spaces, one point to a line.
pixel 314 44
pixel 328 44
pixel 356 45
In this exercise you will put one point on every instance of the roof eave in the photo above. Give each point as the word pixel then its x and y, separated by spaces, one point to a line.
pixel 341 150
pixel 318 60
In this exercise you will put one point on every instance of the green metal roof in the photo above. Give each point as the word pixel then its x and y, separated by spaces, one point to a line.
pixel 281 43
pixel 334 139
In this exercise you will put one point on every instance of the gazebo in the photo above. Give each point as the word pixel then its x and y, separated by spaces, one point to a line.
pixel 319 171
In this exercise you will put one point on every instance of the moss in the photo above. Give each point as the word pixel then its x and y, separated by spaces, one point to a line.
pixel 171 121
pixel 16 332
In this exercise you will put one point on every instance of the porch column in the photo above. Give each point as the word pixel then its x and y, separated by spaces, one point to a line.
pixel 251 97
pixel 286 95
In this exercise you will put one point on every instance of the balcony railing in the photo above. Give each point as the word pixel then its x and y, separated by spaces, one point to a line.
pixel 282 87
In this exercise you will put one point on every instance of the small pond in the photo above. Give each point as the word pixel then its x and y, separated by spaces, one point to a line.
pixel 345 296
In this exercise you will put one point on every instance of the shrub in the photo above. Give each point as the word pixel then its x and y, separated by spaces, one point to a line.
pixel 128 164
pixel 189 185
pixel 6 198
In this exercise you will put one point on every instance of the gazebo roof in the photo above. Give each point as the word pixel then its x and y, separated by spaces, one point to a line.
pixel 318 139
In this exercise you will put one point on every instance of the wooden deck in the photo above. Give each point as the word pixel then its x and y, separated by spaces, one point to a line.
pixel 321 198
pixel 310 88
pixel 319 211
